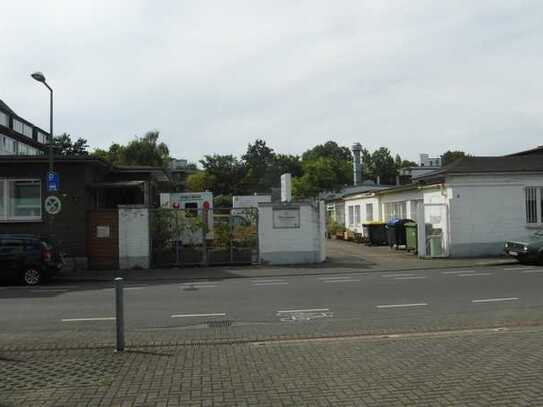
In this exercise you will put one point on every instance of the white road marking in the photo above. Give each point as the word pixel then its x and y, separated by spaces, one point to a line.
pixel 272 283
pixel 134 288
pixel 198 285
pixel 48 287
pixel 410 278
pixel 303 310
pixel 216 314
pixel 518 268
pixel 341 281
pixel 269 281
pixel 496 299
pixel 417 304
pixel 88 319
pixel 334 277
pixel 458 272
pixel 51 290
pixel 398 275
pixel 474 274
pixel 532 271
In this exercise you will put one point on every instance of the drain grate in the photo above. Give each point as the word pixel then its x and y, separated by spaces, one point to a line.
pixel 219 324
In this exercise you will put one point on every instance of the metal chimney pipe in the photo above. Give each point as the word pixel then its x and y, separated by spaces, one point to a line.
pixel 357 164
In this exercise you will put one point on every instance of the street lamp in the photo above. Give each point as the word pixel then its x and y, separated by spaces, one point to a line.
pixel 40 77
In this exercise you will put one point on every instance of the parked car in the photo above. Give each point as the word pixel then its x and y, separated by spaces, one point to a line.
pixel 28 258
pixel 527 252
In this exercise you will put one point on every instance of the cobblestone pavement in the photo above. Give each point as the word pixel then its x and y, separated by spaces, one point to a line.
pixel 472 368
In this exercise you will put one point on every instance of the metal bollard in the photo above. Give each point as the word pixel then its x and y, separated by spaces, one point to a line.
pixel 119 313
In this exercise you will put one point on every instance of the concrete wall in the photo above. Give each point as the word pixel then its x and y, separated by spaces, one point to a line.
pixel 303 244
pixel 487 210
pixel 322 231
pixel 134 238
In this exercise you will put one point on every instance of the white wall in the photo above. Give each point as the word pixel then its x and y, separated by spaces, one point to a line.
pixel 486 211
pixel 362 201
pixel 292 245
pixel 134 243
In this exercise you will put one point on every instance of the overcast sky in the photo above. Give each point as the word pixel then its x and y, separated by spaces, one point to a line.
pixel 212 76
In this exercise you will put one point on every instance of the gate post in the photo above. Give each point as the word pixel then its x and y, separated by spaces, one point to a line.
pixel 205 220
pixel 257 235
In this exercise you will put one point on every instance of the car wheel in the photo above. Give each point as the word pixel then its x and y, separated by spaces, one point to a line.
pixel 32 276
pixel 540 259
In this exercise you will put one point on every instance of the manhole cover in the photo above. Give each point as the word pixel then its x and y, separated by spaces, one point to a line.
pixel 219 324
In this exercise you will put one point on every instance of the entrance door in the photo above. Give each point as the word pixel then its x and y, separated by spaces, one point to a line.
pixel 103 239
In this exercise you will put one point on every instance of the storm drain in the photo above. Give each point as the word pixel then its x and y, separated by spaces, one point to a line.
pixel 219 324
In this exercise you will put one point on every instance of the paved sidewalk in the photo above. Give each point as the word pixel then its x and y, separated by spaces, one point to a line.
pixel 471 368
pixel 343 257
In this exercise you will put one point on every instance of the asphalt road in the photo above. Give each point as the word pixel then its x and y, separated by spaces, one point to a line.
pixel 283 306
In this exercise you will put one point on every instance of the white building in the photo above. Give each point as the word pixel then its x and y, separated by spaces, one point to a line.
pixel 474 204
pixel 18 136
pixel 426 166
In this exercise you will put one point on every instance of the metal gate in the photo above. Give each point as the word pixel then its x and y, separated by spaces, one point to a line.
pixel 202 236
pixel 103 239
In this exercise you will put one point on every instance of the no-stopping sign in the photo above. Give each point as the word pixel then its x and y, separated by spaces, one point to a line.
pixel 52 205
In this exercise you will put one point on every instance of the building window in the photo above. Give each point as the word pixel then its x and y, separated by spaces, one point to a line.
pixel 531 204
pixel 395 210
pixel 27 130
pixel 20 200
pixel 42 137
pixel 357 215
pixel 4 119
pixel 351 215
pixel 369 212
pixel 18 126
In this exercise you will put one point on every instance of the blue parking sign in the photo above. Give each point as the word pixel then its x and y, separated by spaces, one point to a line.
pixel 53 181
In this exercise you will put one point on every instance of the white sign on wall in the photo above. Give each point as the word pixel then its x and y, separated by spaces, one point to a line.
pixel 103 232
pixel 286 218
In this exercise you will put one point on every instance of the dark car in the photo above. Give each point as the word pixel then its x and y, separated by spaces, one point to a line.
pixel 28 258
pixel 527 252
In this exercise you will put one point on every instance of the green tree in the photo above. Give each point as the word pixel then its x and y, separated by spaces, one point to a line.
pixel 146 150
pixel 201 181
pixel 228 172
pixel 258 161
pixel 384 165
pixel 320 175
pixel 64 145
pixel 330 149
pixel 286 163
pixel 450 156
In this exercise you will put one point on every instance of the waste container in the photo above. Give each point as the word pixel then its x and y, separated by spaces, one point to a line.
pixel 376 233
pixel 396 232
pixel 411 237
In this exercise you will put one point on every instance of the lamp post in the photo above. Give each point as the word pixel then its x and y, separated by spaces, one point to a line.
pixel 40 77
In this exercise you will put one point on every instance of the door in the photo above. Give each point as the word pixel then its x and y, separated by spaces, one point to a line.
pixel 103 239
